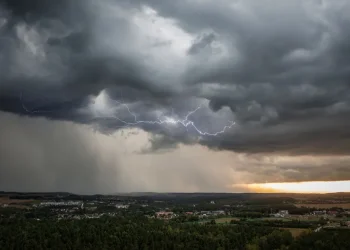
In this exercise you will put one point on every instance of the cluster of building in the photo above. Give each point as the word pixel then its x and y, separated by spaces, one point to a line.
pixel 60 203
pixel 165 215
pixel 78 204
pixel 65 210
pixel 84 216
pixel 323 213
pixel 201 214
pixel 330 213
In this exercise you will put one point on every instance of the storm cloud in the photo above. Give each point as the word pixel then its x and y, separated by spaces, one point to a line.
pixel 279 70
pixel 280 67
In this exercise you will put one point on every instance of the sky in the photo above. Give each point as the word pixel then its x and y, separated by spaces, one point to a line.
pixel 174 96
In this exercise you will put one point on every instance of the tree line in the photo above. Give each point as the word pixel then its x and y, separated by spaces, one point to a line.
pixel 131 233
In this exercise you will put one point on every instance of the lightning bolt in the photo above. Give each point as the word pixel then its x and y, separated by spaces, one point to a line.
pixel 162 120
pixel 186 122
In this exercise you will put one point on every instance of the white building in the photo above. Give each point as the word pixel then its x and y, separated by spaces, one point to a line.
pixel 281 213
pixel 121 206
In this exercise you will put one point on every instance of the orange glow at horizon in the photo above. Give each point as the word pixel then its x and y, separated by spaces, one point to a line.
pixel 300 187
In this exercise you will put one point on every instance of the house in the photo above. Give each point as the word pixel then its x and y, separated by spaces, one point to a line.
pixel 281 213
pixel 164 215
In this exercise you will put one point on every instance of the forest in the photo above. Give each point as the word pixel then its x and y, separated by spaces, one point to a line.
pixel 143 233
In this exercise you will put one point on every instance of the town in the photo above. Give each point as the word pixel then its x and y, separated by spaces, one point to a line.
pixel 152 220
pixel 201 208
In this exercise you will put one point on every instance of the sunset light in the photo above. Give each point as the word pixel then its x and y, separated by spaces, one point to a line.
pixel 301 187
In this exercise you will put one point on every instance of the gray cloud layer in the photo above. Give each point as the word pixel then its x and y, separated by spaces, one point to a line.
pixel 280 69
pixel 41 155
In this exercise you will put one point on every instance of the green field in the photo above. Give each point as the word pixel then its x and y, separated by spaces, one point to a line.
pixel 224 220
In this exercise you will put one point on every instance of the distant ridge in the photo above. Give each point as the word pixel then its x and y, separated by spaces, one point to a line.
pixel 169 194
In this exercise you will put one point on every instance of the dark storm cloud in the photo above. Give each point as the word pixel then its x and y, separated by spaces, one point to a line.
pixel 202 42
pixel 281 67
pixel 50 48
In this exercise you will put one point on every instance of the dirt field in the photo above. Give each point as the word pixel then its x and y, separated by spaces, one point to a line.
pixel 15 203
pixel 225 220
pixel 341 205
pixel 6 200
pixel 296 231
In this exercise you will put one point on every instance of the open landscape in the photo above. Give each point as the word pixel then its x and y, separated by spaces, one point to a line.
pixel 250 218
pixel 175 124
pixel 324 206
